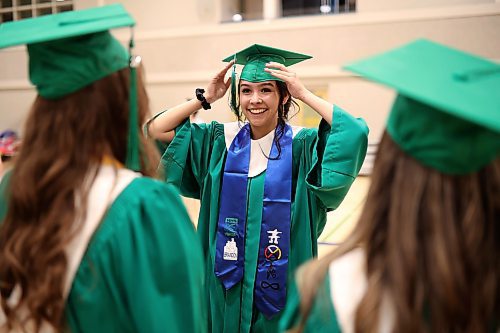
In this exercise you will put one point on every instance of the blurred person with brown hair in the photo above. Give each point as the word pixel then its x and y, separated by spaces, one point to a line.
pixel 425 254
pixel 89 242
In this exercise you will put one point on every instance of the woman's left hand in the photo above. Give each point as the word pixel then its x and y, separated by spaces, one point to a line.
pixel 299 91
pixel 295 87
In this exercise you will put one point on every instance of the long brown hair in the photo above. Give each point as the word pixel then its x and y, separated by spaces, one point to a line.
pixel 64 139
pixel 432 244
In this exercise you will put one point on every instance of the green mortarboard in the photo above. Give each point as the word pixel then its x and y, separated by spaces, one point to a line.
pixel 447 112
pixel 255 58
pixel 70 50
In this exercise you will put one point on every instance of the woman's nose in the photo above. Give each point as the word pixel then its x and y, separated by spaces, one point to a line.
pixel 255 99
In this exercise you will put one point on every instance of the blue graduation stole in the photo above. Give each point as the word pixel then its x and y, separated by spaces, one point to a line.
pixel 230 244
pixel 272 266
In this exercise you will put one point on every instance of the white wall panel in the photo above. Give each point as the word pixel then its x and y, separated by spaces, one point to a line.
pixel 182 49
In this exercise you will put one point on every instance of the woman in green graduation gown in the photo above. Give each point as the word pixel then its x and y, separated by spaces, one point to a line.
pixel 265 186
pixel 424 256
pixel 88 243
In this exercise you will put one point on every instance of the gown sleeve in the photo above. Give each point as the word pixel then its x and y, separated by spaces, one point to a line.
pixel 160 145
pixel 186 160
pixel 146 271
pixel 337 157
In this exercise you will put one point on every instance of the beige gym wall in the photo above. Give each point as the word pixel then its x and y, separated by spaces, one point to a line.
pixel 182 44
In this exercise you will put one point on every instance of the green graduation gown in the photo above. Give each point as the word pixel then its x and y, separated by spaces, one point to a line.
pixel 336 300
pixel 142 270
pixel 322 317
pixel 325 162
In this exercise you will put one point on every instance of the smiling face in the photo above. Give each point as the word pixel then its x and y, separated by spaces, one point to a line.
pixel 259 103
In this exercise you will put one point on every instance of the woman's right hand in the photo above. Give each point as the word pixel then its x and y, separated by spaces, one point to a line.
pixel 162 127
pixel 217 87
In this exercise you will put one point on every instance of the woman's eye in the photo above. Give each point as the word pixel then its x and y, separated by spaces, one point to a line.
pixel 245 91
pixel 266 90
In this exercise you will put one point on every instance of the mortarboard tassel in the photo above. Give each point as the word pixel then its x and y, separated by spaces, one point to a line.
pixel 234 105
pixel 132 161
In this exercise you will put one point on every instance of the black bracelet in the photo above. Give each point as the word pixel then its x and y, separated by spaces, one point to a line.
pixel 199 96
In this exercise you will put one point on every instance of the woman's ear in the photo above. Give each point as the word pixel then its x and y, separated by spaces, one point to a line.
pixel 285 99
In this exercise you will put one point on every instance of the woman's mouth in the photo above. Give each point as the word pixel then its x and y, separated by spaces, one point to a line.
pixel 256 111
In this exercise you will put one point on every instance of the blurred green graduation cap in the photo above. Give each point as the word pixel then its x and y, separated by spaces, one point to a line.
pixel 447 112
pixel 254 58
pixel 70 50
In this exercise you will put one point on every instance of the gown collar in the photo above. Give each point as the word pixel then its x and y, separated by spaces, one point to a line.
pixel 259 149
pixel 348 284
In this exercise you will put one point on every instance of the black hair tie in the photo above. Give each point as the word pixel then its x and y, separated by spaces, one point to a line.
pixel 199 96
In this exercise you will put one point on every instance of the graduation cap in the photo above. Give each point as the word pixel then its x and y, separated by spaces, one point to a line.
pixel 254 58
pixel 447 112
pixel 70 50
